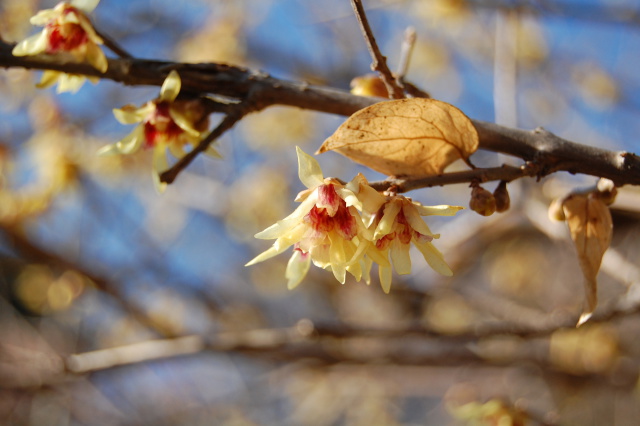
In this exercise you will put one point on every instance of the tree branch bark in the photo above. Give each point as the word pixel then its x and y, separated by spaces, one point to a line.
pixel 547 152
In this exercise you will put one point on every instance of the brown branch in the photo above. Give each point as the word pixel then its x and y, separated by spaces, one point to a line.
pixel 379 63
pixel 505 173
pixel 337 343
pixel 548 152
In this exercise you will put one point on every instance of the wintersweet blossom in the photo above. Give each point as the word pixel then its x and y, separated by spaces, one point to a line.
pixel 67 32
pixel 165 123
pixel 397 225
pixel 326 228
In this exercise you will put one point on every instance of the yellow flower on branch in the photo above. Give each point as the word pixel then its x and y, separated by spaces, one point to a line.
pixel 327 228
pixel 166 123
pixel 67 32
pixel 397 225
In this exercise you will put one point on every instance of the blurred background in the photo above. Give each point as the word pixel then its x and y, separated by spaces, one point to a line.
pixel 121 306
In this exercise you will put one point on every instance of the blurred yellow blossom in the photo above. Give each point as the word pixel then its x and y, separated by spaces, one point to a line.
pixel 67 32
pixel 165 123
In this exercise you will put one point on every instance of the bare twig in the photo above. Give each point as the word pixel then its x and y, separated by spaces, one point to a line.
pixel 113 46
pixel 379 63
pixel 480 175
pixel 168 176
pixel 405 53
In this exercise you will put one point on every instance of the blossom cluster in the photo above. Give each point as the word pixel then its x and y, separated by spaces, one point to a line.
pixel 68 33
pixel 348 227
pixel 166 124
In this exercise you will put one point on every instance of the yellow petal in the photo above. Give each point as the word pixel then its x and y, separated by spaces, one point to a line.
pixel 129 114
pixel 381 257
pixel 290 238
pixel 69 83
pixel 282 226
pixel 391 210
pixel 132 142
pixel 434 258
pixel 42 17
pixel 177 150
pixel 400 257
pixel 49 78
pixel 183 122
pixel 108 150
pixel 355 269
pixel 85 5
pixel 442 210
pixel 267 254
pixel 414 219
pixel 95 56
pixel 371 200
pixel 337 257
pixel 171 87
pixel 366 264
pixel 349 197
pixel 159 165
pixel 309 170
pixel 320 256
pixel 33 45
pixel 297 269
pixel 212 152
pixel 384 272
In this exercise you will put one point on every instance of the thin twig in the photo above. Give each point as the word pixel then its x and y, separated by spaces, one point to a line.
pixel 379 63
pixel 408 43
pixel 168 176
pixel 480 175
pixel 113 46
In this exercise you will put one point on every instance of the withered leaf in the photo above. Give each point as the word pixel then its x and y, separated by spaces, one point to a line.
pixel 406 137
pixel 590 225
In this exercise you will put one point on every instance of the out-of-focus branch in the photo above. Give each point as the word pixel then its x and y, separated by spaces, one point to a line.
pixel 340 343
pixel 547 152
pixel 27 250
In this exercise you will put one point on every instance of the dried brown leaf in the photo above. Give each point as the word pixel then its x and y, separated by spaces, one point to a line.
pixel 406 137
pixel 590 225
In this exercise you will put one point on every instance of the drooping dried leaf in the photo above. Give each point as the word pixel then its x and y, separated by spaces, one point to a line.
pixel 590 225
pixel 406 137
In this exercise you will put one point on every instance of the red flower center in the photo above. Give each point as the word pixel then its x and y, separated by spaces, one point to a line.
pixel 159 126
pixel 65 37
pixel 331 212
pixel 402 231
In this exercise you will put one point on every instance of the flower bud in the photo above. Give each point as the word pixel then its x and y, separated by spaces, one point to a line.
pixel 482 201
pixel 369 85
pixel 555 210
pixel 503 201
pixel 606 191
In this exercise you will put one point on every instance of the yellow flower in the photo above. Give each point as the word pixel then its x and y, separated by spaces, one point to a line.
pixel 166 123
pixel 397 225
pixel 67 32
pixel 325 229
